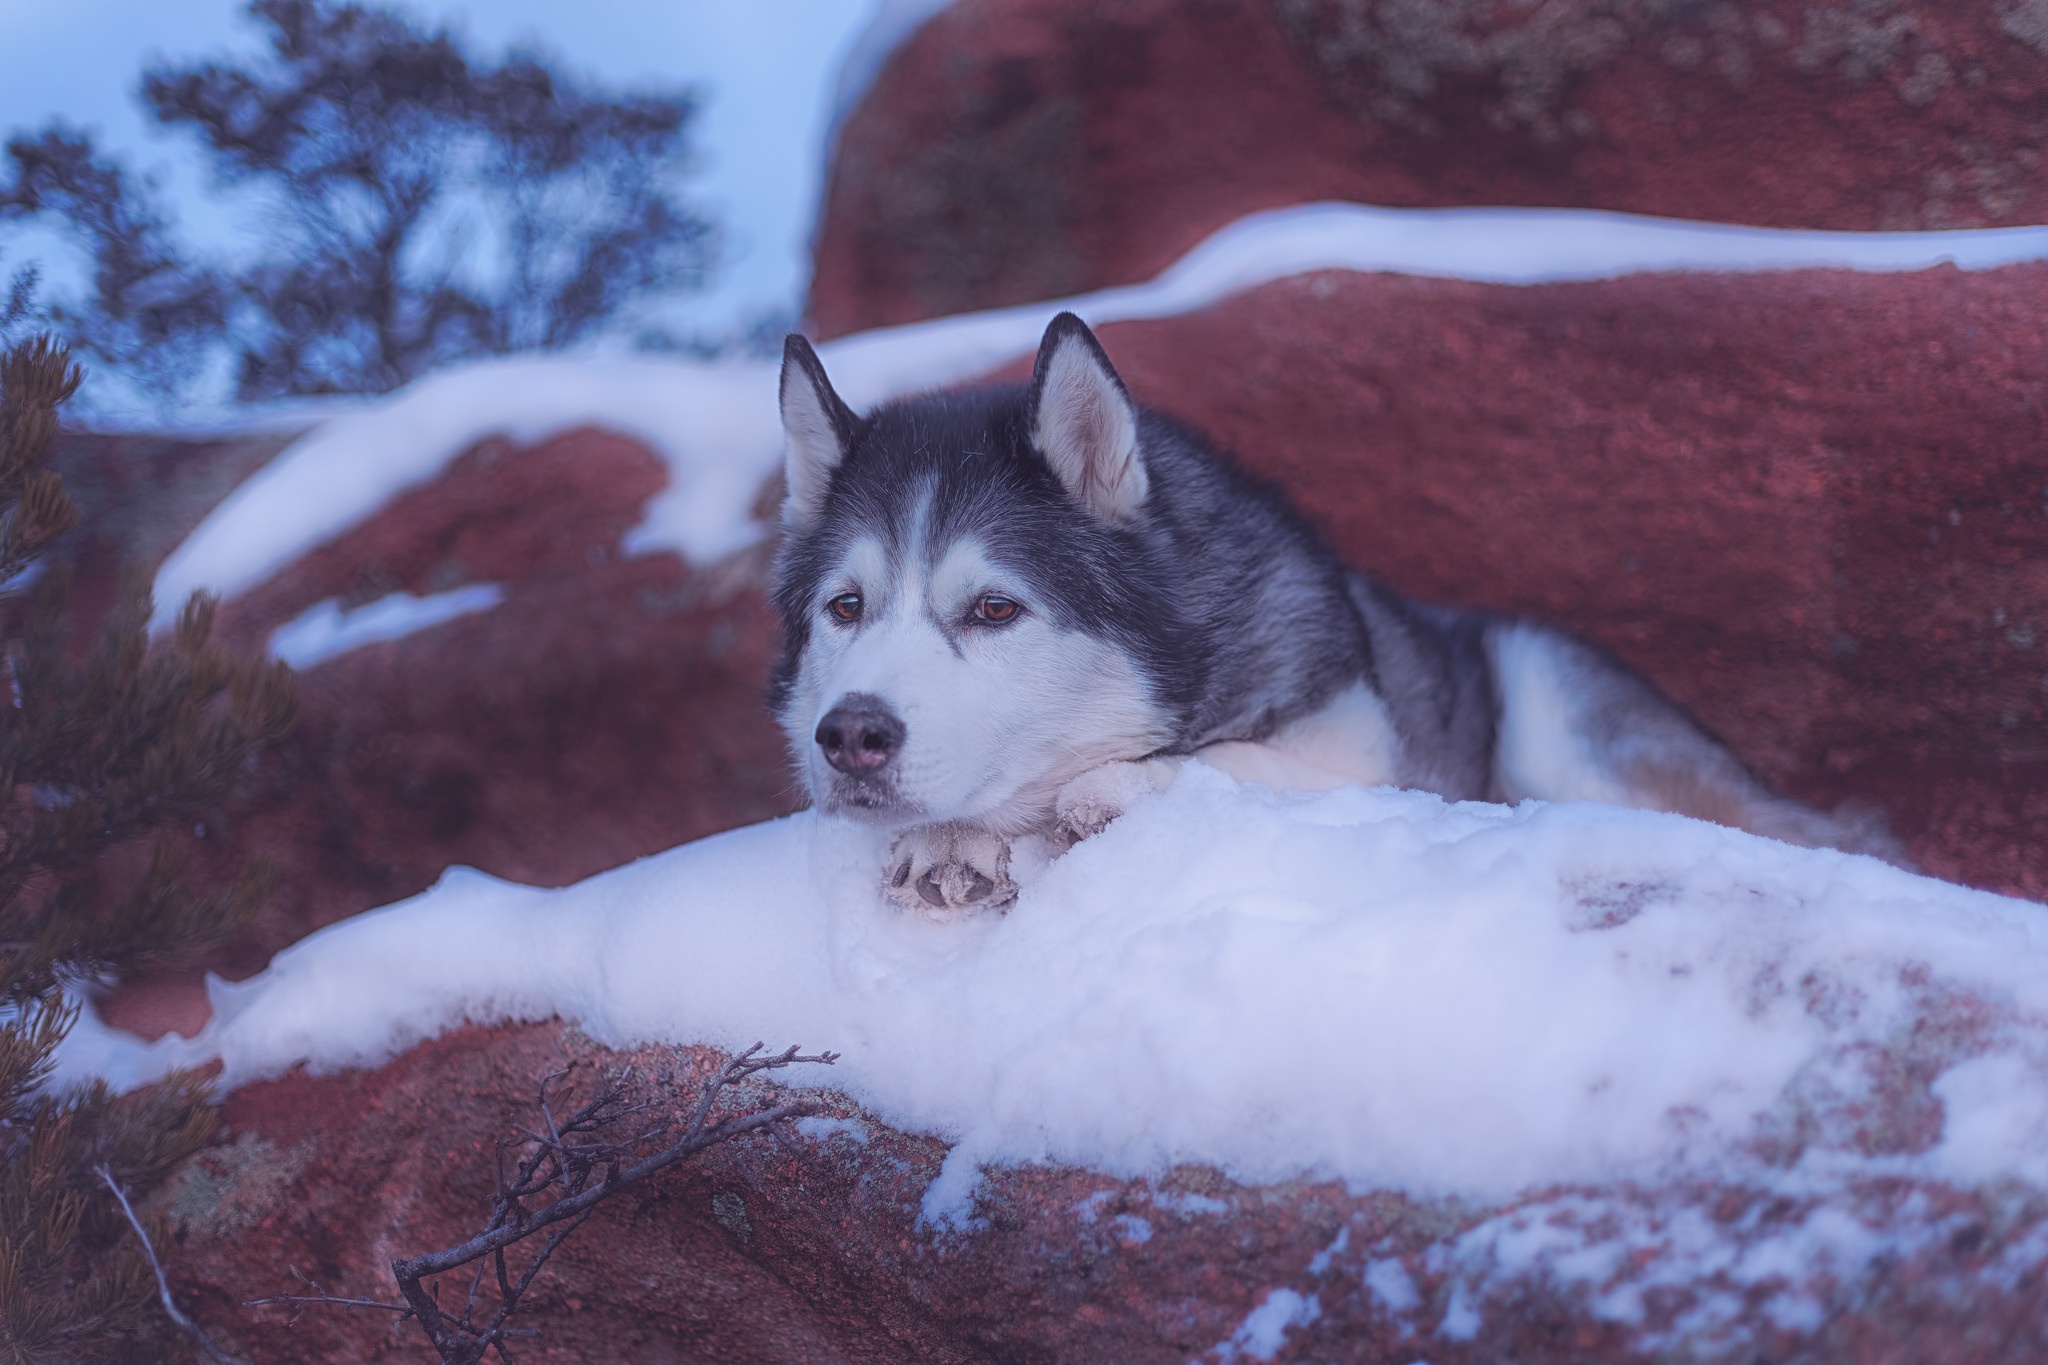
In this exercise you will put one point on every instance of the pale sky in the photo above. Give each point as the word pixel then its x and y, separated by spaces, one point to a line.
pixel 765 67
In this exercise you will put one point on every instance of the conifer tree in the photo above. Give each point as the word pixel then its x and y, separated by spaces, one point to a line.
pixel 409 204
pixel 108 756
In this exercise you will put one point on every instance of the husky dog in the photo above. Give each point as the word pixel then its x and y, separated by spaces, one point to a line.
pixel 1012 610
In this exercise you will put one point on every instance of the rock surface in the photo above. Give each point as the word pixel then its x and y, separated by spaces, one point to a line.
pixel 809 1247
pixel 1015 150
pixel 1813 507
pixel 609 707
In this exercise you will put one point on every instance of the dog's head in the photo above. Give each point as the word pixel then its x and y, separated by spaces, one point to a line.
pixel 963 591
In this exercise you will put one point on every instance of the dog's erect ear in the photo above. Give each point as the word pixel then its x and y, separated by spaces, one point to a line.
pixel 817 428
pixel 1084 423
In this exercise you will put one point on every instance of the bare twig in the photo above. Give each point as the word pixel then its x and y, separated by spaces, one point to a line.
pixel 571 1165
pixel 336 1299
pixel 320 1295
pixel 163 1285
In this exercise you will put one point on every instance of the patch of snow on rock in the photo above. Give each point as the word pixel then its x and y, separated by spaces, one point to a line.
pixel 325 629
pixel 1392 1285
pixel 1619 1253
pixel 819 1129
pixel 1329 1253
pixel 1264 1330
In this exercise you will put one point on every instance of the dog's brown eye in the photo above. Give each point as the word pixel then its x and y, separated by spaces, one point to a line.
pixel 846 606
pixel 995 610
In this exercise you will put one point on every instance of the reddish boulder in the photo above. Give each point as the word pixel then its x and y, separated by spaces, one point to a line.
pixel 140 495
pixel 1811 506
pixel 808 1246
pixel 1014 150
pixel 607 708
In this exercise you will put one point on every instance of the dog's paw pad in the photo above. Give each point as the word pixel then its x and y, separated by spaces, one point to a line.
pixel 944 870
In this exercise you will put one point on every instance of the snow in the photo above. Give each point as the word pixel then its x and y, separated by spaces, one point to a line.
pixel 821 1129
pixel 1132 1229
pixel 1614 1252
pixel 1265 1328
pixel 1329 1253
pixel 1370 985
pixel 325 630
pixel 1992 1109
pixel 714 423
pixel 1189 1205
pixel 1392 1285
pixel 710 419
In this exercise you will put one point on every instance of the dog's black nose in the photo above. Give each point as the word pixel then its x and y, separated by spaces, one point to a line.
pixel 860 735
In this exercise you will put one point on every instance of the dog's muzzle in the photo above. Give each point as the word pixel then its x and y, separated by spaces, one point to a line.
pixel 860 735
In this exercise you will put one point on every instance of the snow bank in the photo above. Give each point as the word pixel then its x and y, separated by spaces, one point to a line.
pixel 1370 984
pixel 715 423
pixel 711 420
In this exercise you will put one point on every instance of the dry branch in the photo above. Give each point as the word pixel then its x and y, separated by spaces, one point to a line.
pixel 565 1168
pixel 163 1284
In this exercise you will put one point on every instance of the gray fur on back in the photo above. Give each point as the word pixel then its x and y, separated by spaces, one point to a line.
pixel 1272 632
pixel 1433 674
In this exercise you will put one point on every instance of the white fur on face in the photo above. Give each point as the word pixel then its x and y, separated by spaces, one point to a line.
pixel 996 718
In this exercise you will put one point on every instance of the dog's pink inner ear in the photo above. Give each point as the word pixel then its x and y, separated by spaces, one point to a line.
pixel 815 426
pixel 1087 428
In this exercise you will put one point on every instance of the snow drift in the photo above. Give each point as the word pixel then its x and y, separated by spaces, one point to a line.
pixel 1369 984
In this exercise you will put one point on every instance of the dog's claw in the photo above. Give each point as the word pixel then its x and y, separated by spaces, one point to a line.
pixel 942 869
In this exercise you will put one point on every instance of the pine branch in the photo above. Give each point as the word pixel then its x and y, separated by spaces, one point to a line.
pixel 104 763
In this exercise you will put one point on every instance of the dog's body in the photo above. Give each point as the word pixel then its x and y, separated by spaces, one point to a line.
pixel 1009 611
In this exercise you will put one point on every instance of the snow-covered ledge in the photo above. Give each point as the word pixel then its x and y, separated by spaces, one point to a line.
pixel 1367 984
pixel 714 423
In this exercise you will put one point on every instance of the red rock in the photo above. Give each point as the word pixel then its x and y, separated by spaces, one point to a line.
pixel 809 1249
pixel 1811 506
pixel 608 708
pixel 1014 150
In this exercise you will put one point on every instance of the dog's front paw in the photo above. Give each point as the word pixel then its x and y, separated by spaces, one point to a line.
pixel 1086 805
pixel 949 868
